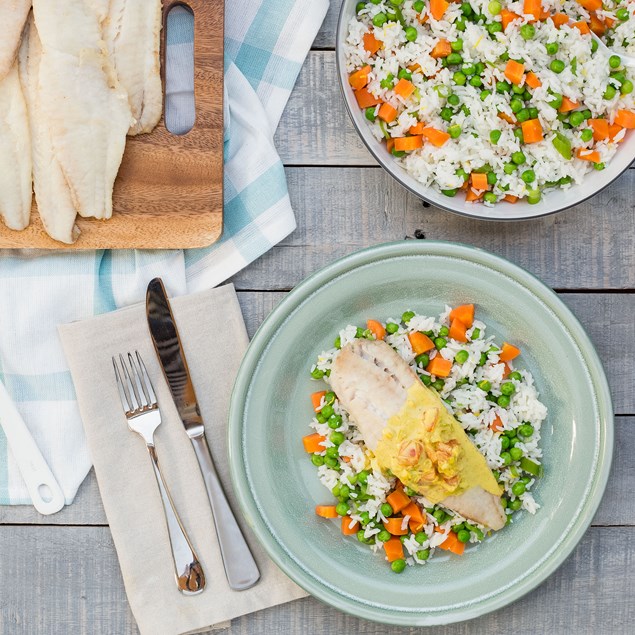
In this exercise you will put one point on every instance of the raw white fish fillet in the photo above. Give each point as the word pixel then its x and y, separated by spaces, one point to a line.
pixel 132 37
pixel 86 108
pixel 15 153
pixel 13 14
pixel 372 381
pixel 52 194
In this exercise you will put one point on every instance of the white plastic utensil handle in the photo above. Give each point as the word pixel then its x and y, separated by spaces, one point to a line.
pixel 45 492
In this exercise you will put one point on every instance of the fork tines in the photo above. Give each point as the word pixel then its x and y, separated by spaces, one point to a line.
pixel 134 385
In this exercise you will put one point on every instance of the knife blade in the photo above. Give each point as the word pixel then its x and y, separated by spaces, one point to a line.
pixel 240 567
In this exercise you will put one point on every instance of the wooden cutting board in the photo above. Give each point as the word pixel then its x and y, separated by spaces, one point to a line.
pixel 169 190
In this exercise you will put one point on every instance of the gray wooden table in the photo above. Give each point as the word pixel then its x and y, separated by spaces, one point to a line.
pixel 59 575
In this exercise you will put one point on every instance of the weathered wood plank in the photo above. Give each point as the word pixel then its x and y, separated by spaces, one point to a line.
pixel 341 210
pixel 325 39
pixel 60 580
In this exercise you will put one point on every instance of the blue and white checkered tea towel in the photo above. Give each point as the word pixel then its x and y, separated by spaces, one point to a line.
pixel 266 42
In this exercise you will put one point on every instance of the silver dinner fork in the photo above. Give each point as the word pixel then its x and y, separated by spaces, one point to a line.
pixel 142 413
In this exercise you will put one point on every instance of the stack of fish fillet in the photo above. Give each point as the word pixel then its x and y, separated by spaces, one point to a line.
pixel 76 77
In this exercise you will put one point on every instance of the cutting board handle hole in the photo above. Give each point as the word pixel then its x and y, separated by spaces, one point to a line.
pixel 180 106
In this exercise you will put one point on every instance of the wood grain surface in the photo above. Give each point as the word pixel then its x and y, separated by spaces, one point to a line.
pixel 169 190
pixel 59 574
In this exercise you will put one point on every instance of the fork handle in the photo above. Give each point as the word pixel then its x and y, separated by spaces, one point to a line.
pixel 240 567
pixel 190 578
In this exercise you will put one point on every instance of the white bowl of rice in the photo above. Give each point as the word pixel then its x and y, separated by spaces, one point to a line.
pixel 492 111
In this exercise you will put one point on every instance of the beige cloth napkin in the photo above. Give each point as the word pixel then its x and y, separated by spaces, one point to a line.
pixel 214 339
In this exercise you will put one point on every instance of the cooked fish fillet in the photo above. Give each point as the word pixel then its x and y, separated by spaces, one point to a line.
pixel 13 14
pixel 132 37
pixel 85 107
pixel 15 153
pixel 52 194
pixel 372 382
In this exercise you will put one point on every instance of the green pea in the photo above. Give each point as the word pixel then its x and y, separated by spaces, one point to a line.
pixel 444 331
pixel 503 401
pixel 513 442
pixel 454 131
pixel 454 58
pixel 392 328
pixel 476 333
pixel 494 27
pixel 438 385
pixel 576 118
pixel 461 357
pixel 468 69
pixel 557 66
pixel 518 158
pixel 453 99
pixel 527 31
pixel 398 565
pixel 556 102
pixel 598 166
pixel 483 359
pixel 423 554
pixel 457 45
pixel 360 6
pixel 327 411
pixel 492 178
pixel 490 197
pixel 404 73
pixel 386 510
pixel 383 536
pixel 411 34
pixel 335 421
pixel 506 457
pixel 508 388
pixel 425 379
pixel 466 9
pixel 509 168
pixel 449 193
pixel 526 430
pixel 388 81
pixel 337 438
pixel 341 509
pixel 565 180
pixel 476 81
pixel 423 359
pixel 522 115
pixel 516 504
pixel 504 442
pixel 533 197
pixel 518 488
pixel 516 453
pixel 552 47
pixel 594 45
pixel 515 104
pixel 465 109
pixel 484 385
pixel 610 91
pixel 586 134
pixel 615 61
pixel 533 113
pixel 360 536
pixel 503 87
pixel 459 78
pixel 345 492
pixel 627 87
pixel 316 373
pixel 622 14
pixel 330 461
pixel 485 94
pixel 418 6
pixel 332 452
pixel 446 113
pixel 380 19
pixel 463 536
pixel 494 7
pixel 407 316
pixel 529 176
pixel 364 518
pixel 515 375
pixel 618 76
pixel 396 3
pixel 440 516
pixel 440 342
pixel 421 537
pixel 317 460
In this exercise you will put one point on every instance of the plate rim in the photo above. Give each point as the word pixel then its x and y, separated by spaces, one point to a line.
pixel 386 251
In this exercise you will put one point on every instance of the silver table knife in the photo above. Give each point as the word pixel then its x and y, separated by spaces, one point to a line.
pixel 240 567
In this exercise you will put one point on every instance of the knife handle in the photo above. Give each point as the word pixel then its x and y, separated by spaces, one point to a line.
pixel 240 567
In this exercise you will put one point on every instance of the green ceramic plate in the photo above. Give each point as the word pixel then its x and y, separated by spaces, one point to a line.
pixel 277 485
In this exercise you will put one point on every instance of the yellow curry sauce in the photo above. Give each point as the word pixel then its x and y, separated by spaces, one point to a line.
pixel 426 448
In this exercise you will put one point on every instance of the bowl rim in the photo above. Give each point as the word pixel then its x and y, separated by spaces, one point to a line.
pixel 271 325
pixel 397 172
